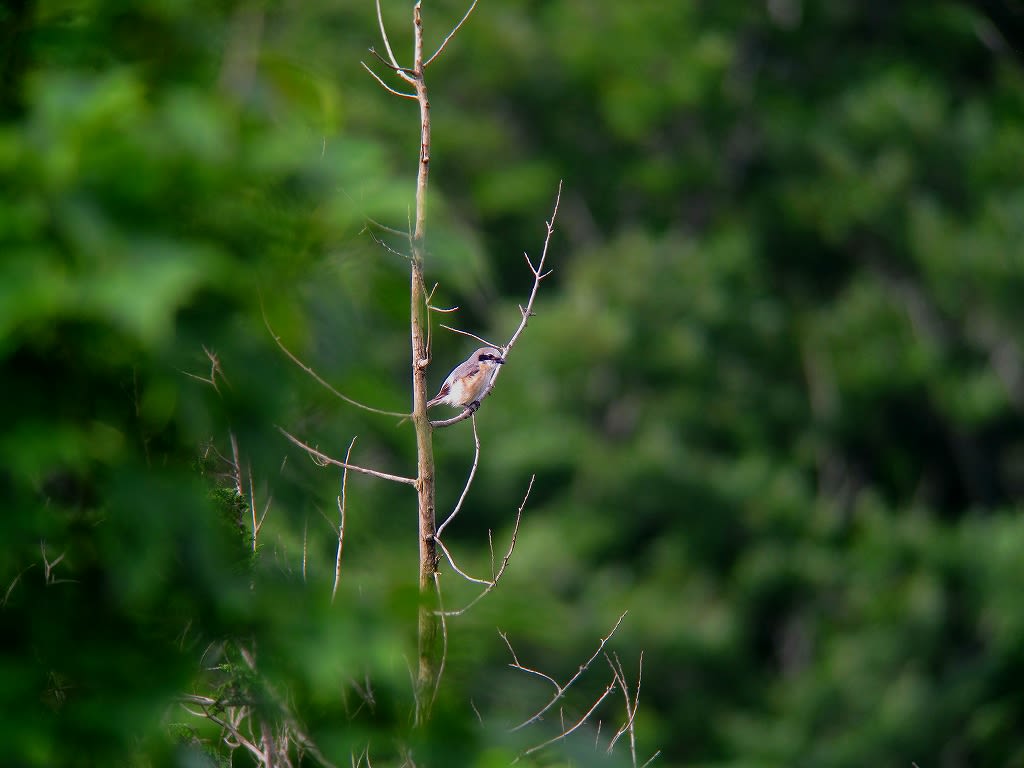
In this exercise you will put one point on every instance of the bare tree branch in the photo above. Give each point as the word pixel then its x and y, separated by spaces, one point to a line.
pixel 538 275
pixel 324 459
pixel 455 567
pixel 526 313
pixel 236 464
pixel 467 333
pixel 561 689
pixel 320 380
pixel 504 563
pixel 387 44
pixel 631 706
pixel 49 565
pixel 450 35
pixel 566 731
pixel 465 414
pixel 469 482
pixel 341 520
pixel 13 584
pixel 444 637
pixel 385 86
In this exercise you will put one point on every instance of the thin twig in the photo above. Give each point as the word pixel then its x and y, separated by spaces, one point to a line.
pixel 450 35
pixel 385 86
pixel 526 312
pixel 325 459
pixel 504 563
pixel 387 45
pixel 561 689
pixel 467 333
pixel 566 731
pixel 444 638
pixel 391 66
pixel 469 482
pixel 465 414
pixel 455 567
pixel 252 506
pixel 236 463
pixel 49 565
pixel 315 375
pixel 538 273
pixel 520 667
pixel 631 707
pixel 341 520
pixel 14 583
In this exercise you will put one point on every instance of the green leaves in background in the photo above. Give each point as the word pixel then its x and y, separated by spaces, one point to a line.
pixel 772 394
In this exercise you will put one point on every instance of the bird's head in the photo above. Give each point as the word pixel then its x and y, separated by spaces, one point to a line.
pixel 488 356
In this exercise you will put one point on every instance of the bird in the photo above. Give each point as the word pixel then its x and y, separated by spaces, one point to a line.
pixel 468 382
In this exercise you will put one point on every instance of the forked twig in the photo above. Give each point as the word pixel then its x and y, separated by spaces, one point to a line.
pixel 631 706
pixel 526 312
pixel 566 731
pixel 387 43
pixel 504 562
pixel 561 689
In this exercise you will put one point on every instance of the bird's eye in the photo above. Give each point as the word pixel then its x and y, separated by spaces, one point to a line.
pixel 486 357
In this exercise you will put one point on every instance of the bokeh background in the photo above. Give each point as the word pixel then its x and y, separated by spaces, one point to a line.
pixel 772 395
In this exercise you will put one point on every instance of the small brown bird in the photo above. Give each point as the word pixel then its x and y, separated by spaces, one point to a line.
pixel 469 381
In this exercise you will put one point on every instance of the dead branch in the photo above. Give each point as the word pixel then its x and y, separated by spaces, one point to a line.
pixel 471 335
pixel 566 731
pixel 13 584
pixel 236 464
pixel 450 35
pixel 538 275
pixel 49 565
pixel 469 482
pixel 444 637
pixel 341 520
pixel 324 459
pixel 455 567
pixel 385 86
pixel 320 380
pixel 560 690
pixel 465 414
pixel 631 706
pixel 504 562
pixel 387 46
pixel 526 312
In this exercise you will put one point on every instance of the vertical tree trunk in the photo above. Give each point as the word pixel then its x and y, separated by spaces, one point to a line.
pixel 427 671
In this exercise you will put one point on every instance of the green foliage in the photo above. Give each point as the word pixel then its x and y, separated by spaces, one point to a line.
pixel 772 394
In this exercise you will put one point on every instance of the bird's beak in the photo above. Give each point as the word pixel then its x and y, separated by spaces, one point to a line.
pixel 499 360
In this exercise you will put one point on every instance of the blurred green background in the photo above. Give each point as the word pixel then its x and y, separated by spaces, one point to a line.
pixel 772 396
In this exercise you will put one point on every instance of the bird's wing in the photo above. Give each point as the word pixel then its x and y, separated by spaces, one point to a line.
pixel 466 370
pixel 441 394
